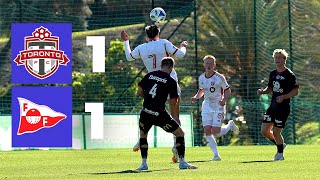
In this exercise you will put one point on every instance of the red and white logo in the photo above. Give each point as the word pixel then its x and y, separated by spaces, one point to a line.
pixel 41 55
pixel 34 117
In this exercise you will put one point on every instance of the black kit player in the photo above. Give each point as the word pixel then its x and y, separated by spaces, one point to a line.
pixel 151 53
pixel 282 83
pixel 155 88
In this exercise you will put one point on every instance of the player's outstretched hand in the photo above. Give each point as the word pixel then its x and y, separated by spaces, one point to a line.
pixel 193 99
pixel 222 102
pixel 279 99
pixel 124 35
pixel 259 91
pixel 184 44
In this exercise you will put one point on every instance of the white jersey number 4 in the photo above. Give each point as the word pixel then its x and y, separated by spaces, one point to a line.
pixel 153 90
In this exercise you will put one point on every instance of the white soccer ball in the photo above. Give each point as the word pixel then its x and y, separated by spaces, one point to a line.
pixel 157 14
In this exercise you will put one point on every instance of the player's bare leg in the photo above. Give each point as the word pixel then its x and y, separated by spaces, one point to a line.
pixel 226 128
pixel 175 111
pixel 136 147
pixel 266 132
pixel 234 127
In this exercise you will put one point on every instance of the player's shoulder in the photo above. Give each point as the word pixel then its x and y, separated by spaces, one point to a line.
pixel 166 76
pixel 160 73
pixel 141 45
pixel 202 76
pixel 155 73
pixel 219 75
pixel 290 72
pixel 164 41
pixel 274 71
pixel 147 75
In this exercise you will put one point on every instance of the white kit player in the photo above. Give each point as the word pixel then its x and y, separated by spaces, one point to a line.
pixel 216 91
pixel 151 53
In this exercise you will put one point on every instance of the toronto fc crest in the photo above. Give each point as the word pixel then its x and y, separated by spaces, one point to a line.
pixel 41 56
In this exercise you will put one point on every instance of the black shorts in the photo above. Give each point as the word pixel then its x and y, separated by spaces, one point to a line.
pixel 278 114
pixel 162 119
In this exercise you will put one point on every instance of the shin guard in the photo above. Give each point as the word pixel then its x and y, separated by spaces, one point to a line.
pixel 144 147
pixel 180 145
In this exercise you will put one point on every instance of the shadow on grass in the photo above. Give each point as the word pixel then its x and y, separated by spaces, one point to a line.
pixel 259 161
pixel 126 172
pixel 199 161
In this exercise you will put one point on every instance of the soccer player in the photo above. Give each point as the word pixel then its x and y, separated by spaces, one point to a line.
pixel 151 54
pixel 155 88
pixel 216 91
pixel 282 83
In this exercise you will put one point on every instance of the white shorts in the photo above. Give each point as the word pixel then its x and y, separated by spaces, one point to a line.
pixel 174 75
pixel 212 119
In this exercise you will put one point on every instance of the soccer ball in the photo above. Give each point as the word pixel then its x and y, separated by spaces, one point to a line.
pixel 157 14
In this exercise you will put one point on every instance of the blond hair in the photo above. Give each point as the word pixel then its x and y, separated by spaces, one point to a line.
pixel 210 57
pixel 281 51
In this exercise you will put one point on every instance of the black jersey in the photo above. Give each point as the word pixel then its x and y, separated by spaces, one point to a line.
pixel 281 84
pixel 157 85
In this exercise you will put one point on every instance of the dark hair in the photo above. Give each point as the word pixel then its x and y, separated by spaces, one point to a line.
pixel 167 61
pixel 152 31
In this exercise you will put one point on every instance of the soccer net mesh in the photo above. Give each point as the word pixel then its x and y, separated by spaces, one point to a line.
pixel 240 34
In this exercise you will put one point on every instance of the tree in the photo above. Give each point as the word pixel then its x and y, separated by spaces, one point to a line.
pixel 109 87
pixel 227 32
pixel 243 43
pixel 24 11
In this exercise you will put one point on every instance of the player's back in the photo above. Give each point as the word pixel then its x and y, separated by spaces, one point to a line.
pixel 157 85
pixel 152 53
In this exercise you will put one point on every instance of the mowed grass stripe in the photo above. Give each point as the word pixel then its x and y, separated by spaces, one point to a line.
pixel 238 162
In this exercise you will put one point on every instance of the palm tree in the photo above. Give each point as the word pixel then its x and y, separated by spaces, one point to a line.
pixel 242 35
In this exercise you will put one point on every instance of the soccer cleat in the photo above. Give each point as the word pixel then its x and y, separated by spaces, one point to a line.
pixel 175 156
pixel 143 167
pixel 136 147
pixel 185 165
pixel 216 158
pixel 234 127
pixel 278 157
pixel 174 159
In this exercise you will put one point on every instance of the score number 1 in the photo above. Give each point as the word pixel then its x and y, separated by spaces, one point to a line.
pixel 98 65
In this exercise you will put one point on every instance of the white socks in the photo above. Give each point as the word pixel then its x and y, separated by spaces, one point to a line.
pixel 182 160
pixel 174 141
pixel 224 130
pixel 212 144
pixel 144 161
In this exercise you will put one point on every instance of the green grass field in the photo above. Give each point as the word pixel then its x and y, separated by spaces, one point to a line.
pixel 238 162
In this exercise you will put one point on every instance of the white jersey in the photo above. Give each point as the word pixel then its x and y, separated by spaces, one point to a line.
pixel 152 53
pixel 213 87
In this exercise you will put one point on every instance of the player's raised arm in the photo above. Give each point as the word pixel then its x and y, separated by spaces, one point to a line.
pixel 178 52
pixel 129 54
